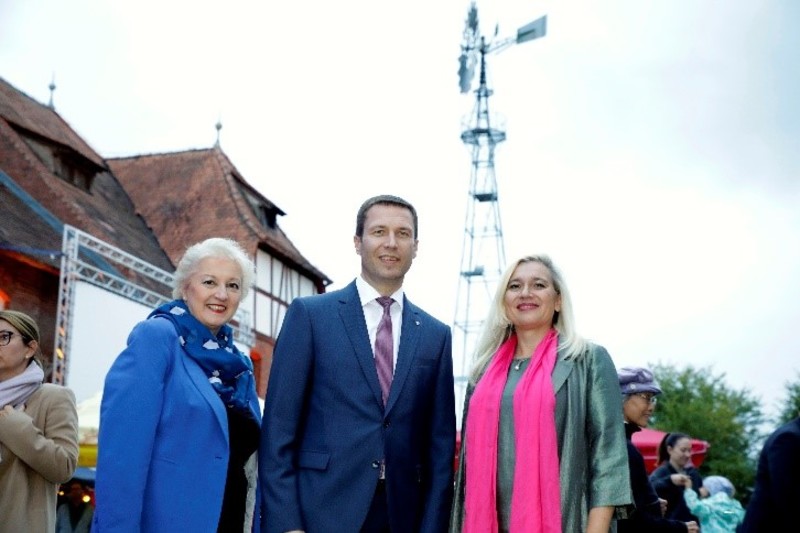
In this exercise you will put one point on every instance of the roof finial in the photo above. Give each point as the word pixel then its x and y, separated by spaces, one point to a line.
pixel 52 88
pixel 218 125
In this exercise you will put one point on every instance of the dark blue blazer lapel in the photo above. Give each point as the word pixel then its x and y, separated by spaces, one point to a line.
pixel 356 327
pixel 409 338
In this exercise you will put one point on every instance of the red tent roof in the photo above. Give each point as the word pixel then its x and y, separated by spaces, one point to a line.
pixel 647 441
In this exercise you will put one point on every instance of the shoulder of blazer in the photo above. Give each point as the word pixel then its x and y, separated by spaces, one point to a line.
pixel 422 315
pixel 343 295
pixel 152 330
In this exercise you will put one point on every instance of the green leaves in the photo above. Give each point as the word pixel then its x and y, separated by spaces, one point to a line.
pixel 698 402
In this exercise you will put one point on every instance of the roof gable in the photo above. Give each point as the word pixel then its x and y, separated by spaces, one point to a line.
pixel 192 195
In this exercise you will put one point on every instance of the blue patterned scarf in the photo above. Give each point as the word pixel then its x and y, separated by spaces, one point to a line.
pixel 229 371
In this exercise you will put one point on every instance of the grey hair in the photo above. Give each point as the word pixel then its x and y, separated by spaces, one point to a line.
pixel 497 327
pixel 213 247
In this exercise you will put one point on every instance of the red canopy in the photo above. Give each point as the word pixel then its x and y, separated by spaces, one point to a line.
pixel 647 441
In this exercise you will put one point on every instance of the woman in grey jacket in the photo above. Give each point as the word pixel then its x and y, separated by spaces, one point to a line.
pixel 557 460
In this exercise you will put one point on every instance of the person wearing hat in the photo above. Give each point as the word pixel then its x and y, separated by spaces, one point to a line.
pixel 639 390
pixel 720 512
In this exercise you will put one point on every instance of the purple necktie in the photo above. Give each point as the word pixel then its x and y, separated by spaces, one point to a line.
pixel 384 348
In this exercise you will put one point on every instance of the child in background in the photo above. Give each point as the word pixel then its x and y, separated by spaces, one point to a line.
pixel 720 512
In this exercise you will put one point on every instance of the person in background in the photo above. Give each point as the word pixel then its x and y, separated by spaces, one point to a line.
pixel 776 497
pixel 719 512
pixel 75 514
pixel 675 474
pixel 639 391
pixel 38 431
pixel 543 444
pixel 180 418
pixel 359 419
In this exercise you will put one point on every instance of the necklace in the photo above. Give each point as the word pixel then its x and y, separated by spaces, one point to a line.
pixel 518 362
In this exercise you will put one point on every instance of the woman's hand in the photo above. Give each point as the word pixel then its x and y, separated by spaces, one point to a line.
pixel 692 527
pixel 681 480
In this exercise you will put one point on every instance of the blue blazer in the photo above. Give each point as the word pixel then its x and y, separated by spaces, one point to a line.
pixel 325 428
pixel 163 445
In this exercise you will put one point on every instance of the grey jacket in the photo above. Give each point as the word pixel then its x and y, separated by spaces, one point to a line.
pixel 591 441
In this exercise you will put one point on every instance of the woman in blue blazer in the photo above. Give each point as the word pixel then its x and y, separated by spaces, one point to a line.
pixel 180 419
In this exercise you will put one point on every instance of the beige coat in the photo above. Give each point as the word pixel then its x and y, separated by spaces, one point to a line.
pixel 38 451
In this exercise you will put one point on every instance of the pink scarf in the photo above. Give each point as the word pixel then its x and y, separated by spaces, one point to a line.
pixel 536 502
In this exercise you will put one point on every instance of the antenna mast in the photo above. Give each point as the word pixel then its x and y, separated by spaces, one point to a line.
pixel 482 253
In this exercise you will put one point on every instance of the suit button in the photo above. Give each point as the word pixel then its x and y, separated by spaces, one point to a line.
pixel 376 464
pixel 386 424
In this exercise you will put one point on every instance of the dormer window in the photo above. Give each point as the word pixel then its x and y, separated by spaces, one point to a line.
pixel 62 161
pixel 267 216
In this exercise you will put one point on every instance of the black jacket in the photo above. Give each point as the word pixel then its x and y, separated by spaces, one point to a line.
pixel 665 488
pixel 647 516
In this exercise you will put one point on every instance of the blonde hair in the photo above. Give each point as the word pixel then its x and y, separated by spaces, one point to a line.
pixel 498 328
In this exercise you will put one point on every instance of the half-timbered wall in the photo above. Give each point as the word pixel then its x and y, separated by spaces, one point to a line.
pixel 277 285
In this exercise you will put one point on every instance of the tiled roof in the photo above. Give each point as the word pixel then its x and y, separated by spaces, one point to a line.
pixel 104 211
pixel 192 195
pixel 25 229
pixel 20 109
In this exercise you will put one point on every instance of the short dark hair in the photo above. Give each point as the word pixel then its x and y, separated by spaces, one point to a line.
pixel 383 199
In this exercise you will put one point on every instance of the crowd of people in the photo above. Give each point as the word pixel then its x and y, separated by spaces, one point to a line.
pixel 358 429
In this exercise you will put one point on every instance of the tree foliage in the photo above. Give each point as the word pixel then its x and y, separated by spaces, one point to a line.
pixel 790 406
pixel 697 402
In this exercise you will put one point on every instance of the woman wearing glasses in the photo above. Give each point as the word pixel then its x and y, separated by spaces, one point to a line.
pixel 639 392
pixel 38 430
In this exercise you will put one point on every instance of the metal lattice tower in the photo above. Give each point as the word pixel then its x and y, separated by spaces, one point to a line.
pixel 483 251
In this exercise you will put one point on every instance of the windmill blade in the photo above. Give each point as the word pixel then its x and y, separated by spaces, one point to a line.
pixel 472 18
pixel 466 71
pixel 532 30
pixel 467 60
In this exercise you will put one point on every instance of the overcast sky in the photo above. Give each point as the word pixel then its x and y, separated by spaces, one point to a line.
pixel 653 147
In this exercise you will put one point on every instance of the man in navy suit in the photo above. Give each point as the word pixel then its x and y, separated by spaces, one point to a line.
pixel 774 504
pixel 338 454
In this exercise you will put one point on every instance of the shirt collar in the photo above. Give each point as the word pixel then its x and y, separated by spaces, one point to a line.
pixel 367 293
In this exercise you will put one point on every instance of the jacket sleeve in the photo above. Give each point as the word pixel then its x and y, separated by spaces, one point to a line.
pixel 784 463
pixel 130 411
pixel 439 499
pixel 608 452
pixel 280 426
pixel 661 480
pixel 698 507
pixel 50 450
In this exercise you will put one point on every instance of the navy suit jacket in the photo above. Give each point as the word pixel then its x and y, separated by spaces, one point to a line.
pixel 325 428
pixel 774 504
